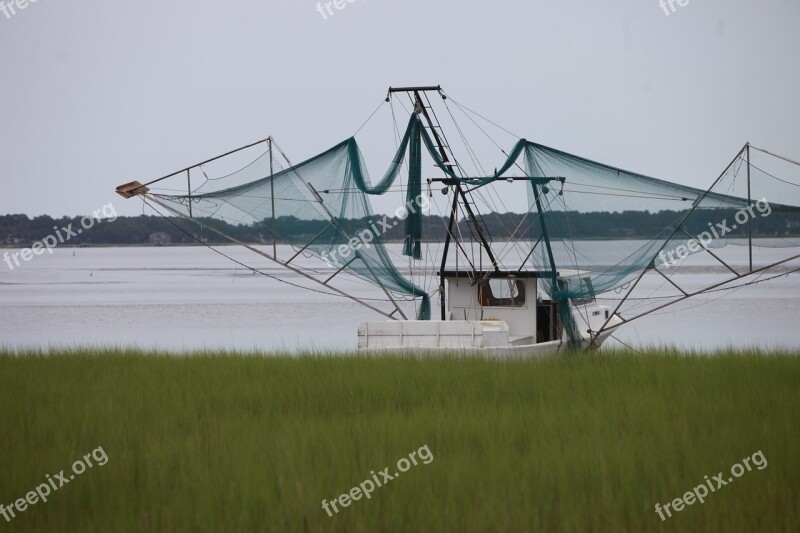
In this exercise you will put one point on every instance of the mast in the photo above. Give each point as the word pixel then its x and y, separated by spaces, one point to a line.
pixel 433 125
pixel 460 194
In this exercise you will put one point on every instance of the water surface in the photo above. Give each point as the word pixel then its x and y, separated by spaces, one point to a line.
pixel 183 298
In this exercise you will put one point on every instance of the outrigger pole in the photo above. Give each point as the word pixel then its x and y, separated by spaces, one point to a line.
pixel 744 153
pixel 135 188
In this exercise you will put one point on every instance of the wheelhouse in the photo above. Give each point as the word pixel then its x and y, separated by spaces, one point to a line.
pixel 509 296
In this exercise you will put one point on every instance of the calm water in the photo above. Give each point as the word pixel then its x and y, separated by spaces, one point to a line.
pixel 181 298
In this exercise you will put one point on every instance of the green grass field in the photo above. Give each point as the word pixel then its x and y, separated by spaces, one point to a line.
pixel 227 442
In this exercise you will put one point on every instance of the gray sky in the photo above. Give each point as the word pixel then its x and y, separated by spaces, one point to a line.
pixel 97 93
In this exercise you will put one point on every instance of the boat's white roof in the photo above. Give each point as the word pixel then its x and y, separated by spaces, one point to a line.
pixel 570 273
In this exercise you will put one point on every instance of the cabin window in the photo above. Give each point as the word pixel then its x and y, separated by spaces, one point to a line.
pixel 501 293
pixel 580 288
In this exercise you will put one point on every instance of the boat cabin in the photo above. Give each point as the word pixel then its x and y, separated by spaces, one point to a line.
pixel 510 296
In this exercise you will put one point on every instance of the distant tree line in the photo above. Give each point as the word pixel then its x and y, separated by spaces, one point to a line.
pixel 20 230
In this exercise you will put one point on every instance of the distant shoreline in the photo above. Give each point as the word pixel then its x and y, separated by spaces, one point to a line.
pixel 143 230
pixel 20 246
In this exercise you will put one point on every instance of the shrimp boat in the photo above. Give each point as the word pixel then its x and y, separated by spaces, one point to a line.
pixel 495 313
pixel 504 289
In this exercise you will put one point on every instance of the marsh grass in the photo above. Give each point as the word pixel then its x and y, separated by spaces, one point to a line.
pixel 231 442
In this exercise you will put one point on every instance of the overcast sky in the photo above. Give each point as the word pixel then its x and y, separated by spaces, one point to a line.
pixel 97 93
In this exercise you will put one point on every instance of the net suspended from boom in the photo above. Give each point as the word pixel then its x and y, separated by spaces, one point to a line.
pixel 321 206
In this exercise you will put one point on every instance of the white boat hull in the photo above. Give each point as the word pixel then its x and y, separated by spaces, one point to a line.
pixel 461 338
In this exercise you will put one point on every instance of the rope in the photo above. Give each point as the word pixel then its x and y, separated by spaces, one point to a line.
pixel 628 346
pixel 484 118
pixel 370 117
pixel 774 177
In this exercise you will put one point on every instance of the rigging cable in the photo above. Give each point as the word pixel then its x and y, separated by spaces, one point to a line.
pixel 254 270
pixel 370 117
pixel 722 289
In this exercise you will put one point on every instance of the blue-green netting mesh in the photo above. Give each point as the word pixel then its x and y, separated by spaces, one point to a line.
pixel 758 193
pixel 746 197
pixel 334 186
pixel 692 218
pixel 329 189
